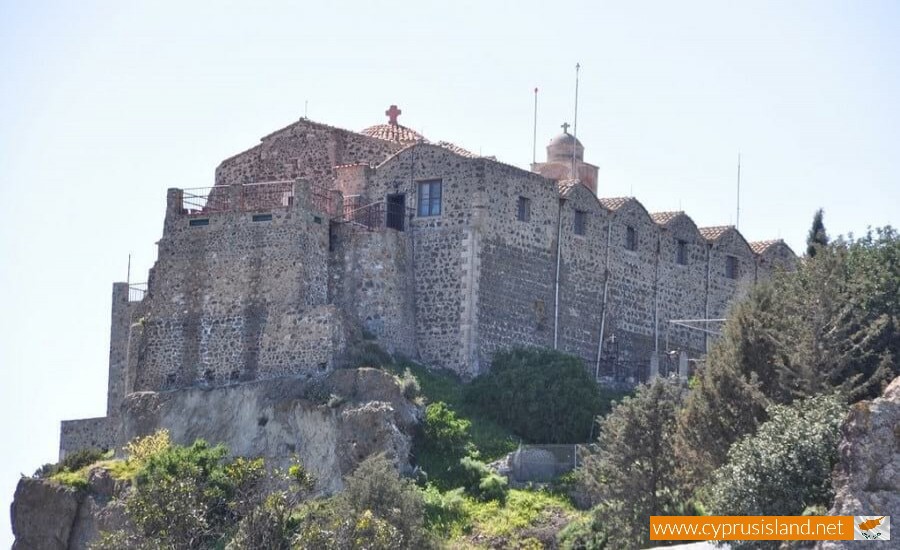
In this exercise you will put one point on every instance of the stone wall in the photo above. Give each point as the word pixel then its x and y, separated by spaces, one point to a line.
pixel 516 289
pixel 120 325
pixel 723 290
pixel 238 297
pixel 87 433
pixel 372 280
pixel 304 149
pixel 682 288
pixel 441 276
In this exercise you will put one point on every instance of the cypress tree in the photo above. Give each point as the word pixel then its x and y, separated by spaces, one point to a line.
pixel 817 236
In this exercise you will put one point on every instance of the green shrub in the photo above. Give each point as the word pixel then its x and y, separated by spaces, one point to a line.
pixel 376 487
pixel 190 497
pixel 542 395
pixel 785 467
pixel 409 385
pixel 445 513
pixel 472 471
pixel 445 431
pixel 493 487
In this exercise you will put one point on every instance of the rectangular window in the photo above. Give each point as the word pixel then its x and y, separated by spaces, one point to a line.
pixel 731 267
pixel 630 238
pixel 524 209
pixel 202 221
pixel 429 198
pixel 262 217
pixel 580 222
pixel 681 252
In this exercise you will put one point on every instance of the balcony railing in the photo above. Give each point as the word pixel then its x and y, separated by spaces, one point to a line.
pixel 252 197
pixel 273 195
pixel 136 291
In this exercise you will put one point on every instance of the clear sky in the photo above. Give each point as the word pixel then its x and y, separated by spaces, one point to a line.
pixel 104 105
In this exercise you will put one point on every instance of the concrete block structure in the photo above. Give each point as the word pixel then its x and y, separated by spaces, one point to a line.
pixel 318 235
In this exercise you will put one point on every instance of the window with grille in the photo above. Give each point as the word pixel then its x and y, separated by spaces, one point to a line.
pixel 580 222
pixel 523 207
pixel 430 198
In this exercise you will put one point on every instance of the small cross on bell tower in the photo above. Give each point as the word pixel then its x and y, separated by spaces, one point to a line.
pixel 393 112
pixel 565 127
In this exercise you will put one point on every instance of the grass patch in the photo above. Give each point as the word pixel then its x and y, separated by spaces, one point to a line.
pixel 455 517
pixel 77 479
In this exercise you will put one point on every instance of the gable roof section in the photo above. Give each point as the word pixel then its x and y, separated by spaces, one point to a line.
pixel 761 247
pixel 665 218
pixel 714 233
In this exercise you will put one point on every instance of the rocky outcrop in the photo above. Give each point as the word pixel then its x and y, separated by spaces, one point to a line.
pixel 331 422
pixel 867 478
pixel 43 514
pixel 48 516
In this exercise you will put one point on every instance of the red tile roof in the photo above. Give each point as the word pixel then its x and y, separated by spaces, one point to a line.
pixel 759 247
pixel 567 186
pixel 393 132
pixel 715 232
pixel 663 218
pixel 614 203
pixel 452 147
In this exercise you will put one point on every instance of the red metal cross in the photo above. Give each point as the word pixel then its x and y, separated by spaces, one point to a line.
pixel 392 114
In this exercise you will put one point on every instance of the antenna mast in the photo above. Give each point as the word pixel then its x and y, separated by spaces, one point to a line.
pixel 575 128
pixel 534 140
pixel 737 223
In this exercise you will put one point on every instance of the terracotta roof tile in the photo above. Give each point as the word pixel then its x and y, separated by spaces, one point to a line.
pixel 452 147
pixel 567 186
pixel 760 247
pixel 393 132
pixel 663 218
pixel 614 203
pixel 715 232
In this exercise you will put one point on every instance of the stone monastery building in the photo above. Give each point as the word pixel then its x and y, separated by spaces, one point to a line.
pixel 318 235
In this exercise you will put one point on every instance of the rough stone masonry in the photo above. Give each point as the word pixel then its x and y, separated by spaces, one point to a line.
pixel 319 235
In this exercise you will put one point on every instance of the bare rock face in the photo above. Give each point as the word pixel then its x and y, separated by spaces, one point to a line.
pixel 43 514
pixel 331 422
pixel 867 478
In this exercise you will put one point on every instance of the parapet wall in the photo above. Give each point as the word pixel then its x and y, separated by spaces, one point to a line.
pixel 87 433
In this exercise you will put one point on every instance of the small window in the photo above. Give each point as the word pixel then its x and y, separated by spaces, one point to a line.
pixel 681 252
pixel 524 209
pixel 630 238
pixel 201 221
pixel 262 217
pixel 731 267
pixel 429 198
pixel 580 222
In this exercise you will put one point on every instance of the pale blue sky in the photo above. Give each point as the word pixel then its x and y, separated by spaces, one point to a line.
pixel 103 105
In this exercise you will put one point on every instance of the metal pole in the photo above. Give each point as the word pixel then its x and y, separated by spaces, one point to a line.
pixel 737 222
pixel 534 140
pixel 575 126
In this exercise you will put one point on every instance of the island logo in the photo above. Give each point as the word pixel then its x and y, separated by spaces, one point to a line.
pixel 871 527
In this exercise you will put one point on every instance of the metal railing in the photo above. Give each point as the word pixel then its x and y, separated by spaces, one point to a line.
pixel 267 195
pixel 205 200
pixel 272 195
pixel 136 291
pixel 323 200
pixel 369 217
